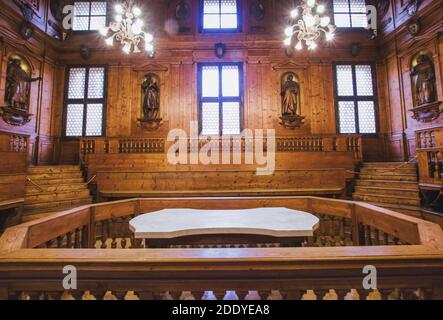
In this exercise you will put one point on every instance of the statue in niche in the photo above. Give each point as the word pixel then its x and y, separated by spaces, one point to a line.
pixel 290 93
pixel 150 102
pixel 423 75
pixel 18 81
pixel 424 89
pixel 17 91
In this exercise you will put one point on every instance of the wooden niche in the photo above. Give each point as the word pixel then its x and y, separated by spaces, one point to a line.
pixel 15 108
pixel 150 102
pixel 291 117
pixel 426 106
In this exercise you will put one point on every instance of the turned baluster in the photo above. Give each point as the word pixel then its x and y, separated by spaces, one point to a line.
pixel 60 241
pixel 377 237
pixel 69 240
pixel 385 239
pixel 368 241
pixel 113 225
pixel 104 236
pixel 85 240
pixel 77 241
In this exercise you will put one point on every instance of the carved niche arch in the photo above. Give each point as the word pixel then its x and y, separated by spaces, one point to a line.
pixel 15 109
pixel 426 106
pixel 291 109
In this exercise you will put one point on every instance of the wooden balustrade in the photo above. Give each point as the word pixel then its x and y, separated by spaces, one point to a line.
pixel 372 236
pixel 13 142
pixel 352 144
pixel 430 157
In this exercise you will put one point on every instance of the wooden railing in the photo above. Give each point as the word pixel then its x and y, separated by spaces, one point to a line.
pixel 13 142
pixel 368 236
pixel 283 144
pixel 429 144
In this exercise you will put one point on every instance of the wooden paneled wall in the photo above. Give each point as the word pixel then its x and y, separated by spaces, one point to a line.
pixel 397 51
pixel 41 56
pixel 258 46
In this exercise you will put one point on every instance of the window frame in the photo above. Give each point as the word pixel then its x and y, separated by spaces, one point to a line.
pixel 356 98
pixel 350 17
pixel 239 28
pixel 220 99
pixel 85 101
pixel 89 16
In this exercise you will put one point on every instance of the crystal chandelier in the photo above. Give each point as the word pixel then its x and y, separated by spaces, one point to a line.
pixel 128 29
pixel 310 25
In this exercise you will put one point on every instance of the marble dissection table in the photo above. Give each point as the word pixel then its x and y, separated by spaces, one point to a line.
pixel 248 227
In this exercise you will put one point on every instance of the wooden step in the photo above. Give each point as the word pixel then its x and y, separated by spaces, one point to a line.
pixel 55 205
pixel 30 188
pixel 393 177
pixel 387 191
pixel 58 181
pixel 410 185
pixel 410 201
pixel 56 175
pixel 56 196
pixel 53 169
pixel 371 170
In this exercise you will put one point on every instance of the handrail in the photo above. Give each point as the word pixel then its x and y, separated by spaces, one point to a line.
pixel 35 184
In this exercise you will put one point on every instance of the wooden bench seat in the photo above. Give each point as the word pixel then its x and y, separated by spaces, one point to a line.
pixel 10 212
pixel 110 194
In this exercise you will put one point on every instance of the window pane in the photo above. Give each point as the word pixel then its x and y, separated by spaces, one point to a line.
pixel 210 81
pixel 210 119
pixel 345 85
pixel 366 117
pixel 211 21
pixel 358 6
pixel 211 6
pixel 97 23
pixel 77 78
pixel 94 119
pixel 81 8
pixel 98 8
pixel 230 81
pixel 359 20
pixel 229 21
pixel 231 118
pixel 74 120
pixel 80 23
pixel 364 80
pixel 342 20
pixel 96 83
pixel 341 6
pixel 229 6
pixel 346 113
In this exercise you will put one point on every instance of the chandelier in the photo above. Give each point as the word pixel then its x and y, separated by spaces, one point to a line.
pixel 311 23
pixel 128 29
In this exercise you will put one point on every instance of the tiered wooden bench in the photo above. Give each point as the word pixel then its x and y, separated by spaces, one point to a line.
pixel 234 183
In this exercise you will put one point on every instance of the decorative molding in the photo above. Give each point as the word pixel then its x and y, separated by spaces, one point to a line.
pixel 151 67
pixel 427 112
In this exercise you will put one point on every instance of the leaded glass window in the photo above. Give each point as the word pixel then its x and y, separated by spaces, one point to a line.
pixel 220 15
pixel 350 13
pixel 355 98
pixel 89 15
pixel 220 98
pixel 85 101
